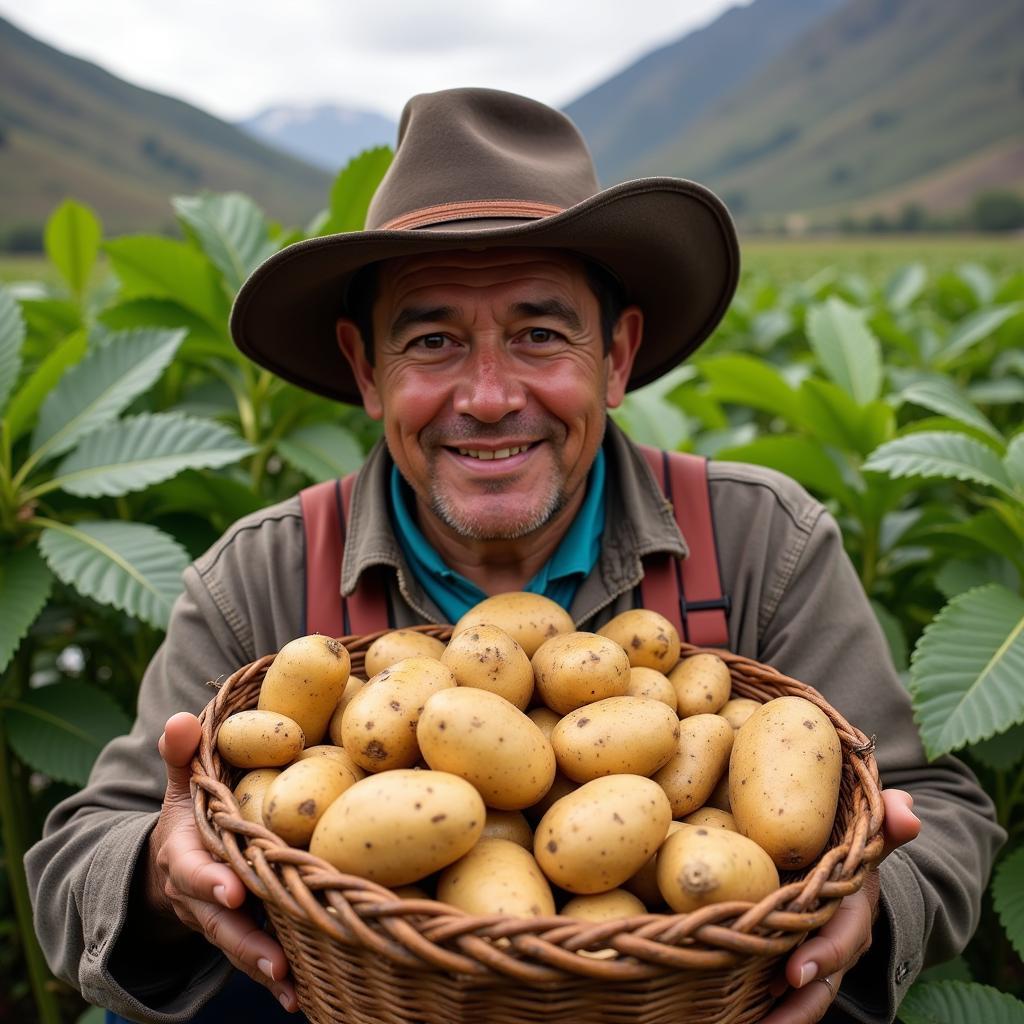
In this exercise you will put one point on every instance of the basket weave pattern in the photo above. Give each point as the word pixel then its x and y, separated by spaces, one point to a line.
pixel 360 955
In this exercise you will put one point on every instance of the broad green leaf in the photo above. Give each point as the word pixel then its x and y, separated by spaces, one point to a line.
pixel 134 313
pixel 989 531
pixel 751 382
pixel 941 395
pixel 959 1002
pixel 132 566
pixel 1002 751
pixel 979 280
pixel 1008 898
pixel 1008 391
pixel 132 453
pixel 894 635
pixel 162 268
pixel 956 969
pixel 974 328
pixel 353 189
pixel 72 239
pixel 231 229
pixel 101 386
pixel 12 335
pixel 846 348
pixel 799 457
pixel 966 669
pixel 24 587
pixel 58 730
pixel 962 574
pixel 940 454
pixel 27 399
pixel 50 320
pixel 323 451
pixel 831 415
pixel 220 500
pixel 1014 461
pixel 905 286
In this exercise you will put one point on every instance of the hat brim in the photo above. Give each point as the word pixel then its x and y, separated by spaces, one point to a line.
pixel 670 241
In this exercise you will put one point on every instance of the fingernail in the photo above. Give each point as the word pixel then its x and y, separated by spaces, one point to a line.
pixel 283 1000
pixel 220 894
pixel 808 973
pixel 265 966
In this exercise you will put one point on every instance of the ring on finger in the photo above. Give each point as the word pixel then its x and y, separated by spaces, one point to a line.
pixel 827 981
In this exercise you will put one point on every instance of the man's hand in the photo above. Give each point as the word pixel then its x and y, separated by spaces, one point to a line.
pixel 185 883
pixel 847 936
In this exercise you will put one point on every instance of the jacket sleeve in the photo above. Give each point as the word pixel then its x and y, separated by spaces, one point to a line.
pixel 824 632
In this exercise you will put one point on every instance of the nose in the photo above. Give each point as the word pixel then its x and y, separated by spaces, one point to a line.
pixel 489 387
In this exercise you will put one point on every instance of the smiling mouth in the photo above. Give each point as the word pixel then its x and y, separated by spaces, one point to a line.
pixel 488 455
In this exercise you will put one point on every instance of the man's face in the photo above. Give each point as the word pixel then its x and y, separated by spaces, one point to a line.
pixel 492 383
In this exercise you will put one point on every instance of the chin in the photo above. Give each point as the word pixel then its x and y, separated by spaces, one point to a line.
pixel 496 524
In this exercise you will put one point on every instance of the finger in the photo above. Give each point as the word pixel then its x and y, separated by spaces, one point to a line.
pixel 805 1006
pixel 836 946
pixel 177 747
pixel 901 824
pixel 242 941
pixel 283 991
pixel 194 874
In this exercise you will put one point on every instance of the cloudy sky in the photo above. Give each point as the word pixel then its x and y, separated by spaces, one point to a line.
pixel 235 57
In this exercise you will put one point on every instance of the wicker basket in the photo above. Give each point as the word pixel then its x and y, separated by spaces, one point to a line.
pixel 359 955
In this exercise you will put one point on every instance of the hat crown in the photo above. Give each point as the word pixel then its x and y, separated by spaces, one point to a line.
pixel 465 145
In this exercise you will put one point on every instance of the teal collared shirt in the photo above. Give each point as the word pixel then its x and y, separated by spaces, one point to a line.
pixel 558 578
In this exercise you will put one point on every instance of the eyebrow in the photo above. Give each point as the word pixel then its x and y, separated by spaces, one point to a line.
pixel 554 308
pixel 413 315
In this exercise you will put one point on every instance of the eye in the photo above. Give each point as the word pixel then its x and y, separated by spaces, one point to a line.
pixel 541 335
pixel 431 342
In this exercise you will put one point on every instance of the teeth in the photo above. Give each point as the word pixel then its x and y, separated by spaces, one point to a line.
pixel 501 453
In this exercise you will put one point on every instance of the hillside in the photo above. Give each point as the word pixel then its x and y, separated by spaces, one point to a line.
pixel 69 128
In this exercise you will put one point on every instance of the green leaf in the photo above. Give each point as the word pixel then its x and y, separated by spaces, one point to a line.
pixel 1002 751
pixel 941 395
pixel 24 587
pixel 58 730
pixel 216 498
pixel 231 229
pixel 94 1015
pixel 1008 898
pixel 956 969
pixel 133 453
pixel 132 566
pixel 966 669
pixel 894 635
pixel 962 574
pixel 979 280
pixel 974 328
pixel 906 286
pixel 101 386
pixel 72 239
pixel 26 401
pixel 750 382
pixel 959 1002
pixel 832 416
pixel 1014 461
pixel 987 530
pixel 846 348
pixel 1008 391
pixel 162 268
pixel 134 313
pixel 940 454
pixel 353 189
pixel 12 335
pixel 323 451
pixel 799 457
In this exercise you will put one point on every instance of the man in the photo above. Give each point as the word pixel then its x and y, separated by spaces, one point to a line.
pixel 496 306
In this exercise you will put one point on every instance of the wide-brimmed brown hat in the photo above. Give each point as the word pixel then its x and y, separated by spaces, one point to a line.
pixel 476 168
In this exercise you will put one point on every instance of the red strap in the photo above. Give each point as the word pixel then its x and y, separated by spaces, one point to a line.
pixel 368 607
pixel 688 593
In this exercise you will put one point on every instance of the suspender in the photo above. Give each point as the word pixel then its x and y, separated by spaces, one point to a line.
pixel 688 592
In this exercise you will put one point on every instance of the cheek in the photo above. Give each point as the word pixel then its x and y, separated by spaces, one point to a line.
pixel 411 403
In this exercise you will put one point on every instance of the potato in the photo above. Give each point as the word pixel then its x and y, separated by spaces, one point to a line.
pixel 487 658
pixel 719 797
pixel 490 743
pixel 698 865
pixel 711 817
pixel 702 684
pixel 737 710
pixel 398 645
pixel 784 776
pixel 545 719
pixel 644 884
pixel 604 906
pixel 508 825
pixel 251 792
pixel 352 687
pixel 378 728
pixel 579 668
pixel 400 826
pixel 562 786
pixel 338 754
pixel 305 681
pixel 529 619
pixel 259 739
pixel 649 639
pixel 297 798
pixel 652 684
pixel 615 736
pixel 497 877
pixel 595 838
pixel 700 758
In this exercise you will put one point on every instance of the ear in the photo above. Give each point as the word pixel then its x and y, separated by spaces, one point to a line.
pixel 350 341
pixel 626 337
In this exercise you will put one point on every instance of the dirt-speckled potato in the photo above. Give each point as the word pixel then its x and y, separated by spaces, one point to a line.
pixel 595 838
pixel 545 719
pixel 701 756
pixel 719 796
pixel 252 790
pixel 652 684
pixel 702 684
pixel 352 687
pixel 398 827
pixel 562 786
pixel 648 638
pixel 489 659
pixel 615 736
pixel 508 825
pixel 738 709
pixel 378 729
pixel 644 884
pixel 698 865
pixel 784 777
pixel 297 798
pixel 490 743
pixel 711 817
pixel 338 754
pixel 497 877
pixel 259 739
pixel 529 619
pixel 603 906
pixel 579 668
pixel 305 681
pixel 398 645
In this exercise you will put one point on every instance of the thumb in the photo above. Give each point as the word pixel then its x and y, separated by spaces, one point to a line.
pixel 177 746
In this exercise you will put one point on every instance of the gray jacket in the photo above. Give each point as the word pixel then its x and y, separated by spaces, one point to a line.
pixel 797 604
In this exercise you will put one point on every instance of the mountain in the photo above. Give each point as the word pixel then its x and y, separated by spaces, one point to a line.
pixel 324 134
pixel 69 128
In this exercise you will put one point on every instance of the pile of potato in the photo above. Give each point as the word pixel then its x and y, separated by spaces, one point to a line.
pixel 526 766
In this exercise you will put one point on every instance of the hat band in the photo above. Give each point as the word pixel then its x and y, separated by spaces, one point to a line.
pixel 470 209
